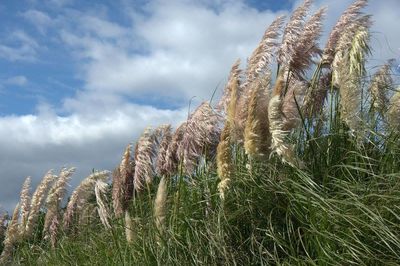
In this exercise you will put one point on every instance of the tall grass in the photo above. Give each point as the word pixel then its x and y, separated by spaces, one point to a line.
pixel 298 169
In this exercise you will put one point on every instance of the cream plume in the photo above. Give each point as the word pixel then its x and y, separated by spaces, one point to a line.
pixel 38 199
pixel 12 237
pixel 232 84
pixel 200 137
pixel 257 138
pixel 55 197
pixel 172 158
pixel 144 159
pixel 393 112
pixel 126 175
pixel 224 160
pixel 306 47
pixel 380 85
pixel 25 204
pixel 348 68
pixel 279 126
pixel 117 192
pixel 129 224
pixel 100 189
pixel 165 142
pixel 160 205
pixel 351 14
pixel 263 55
pixel 292 32
pixel 80 195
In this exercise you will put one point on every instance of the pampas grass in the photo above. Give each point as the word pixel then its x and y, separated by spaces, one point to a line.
pixel 172 156
pixel 100 189
pixel 348 68
pixel 25 204
pixel 257 138
pixel 380 85
pixel 200 137
pixel 351 14
pixel 160 205
pixel 165 142
pixel 55 198
pixel 224 160
pixel 393 112
pixel 144 160
pixel 80 195
pixel 38 199
pixel 123 192
pixel 129 226
pixel 12 237
pixel 291 35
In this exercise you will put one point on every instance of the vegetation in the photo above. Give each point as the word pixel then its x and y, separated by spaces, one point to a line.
pixel 300 167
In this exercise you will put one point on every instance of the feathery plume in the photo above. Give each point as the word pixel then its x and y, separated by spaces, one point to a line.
pixel 25 204
pixel 381 82
pixel 100 189
pixel 306 47
pixel 163 149
pixel 292 32
pixel 172 157
pixel 393 112
pixel 117 192
pixel 257 67
pixel 348 67
pixel 263 55
pixel 257 137
pixel 80 195
pixel 55 197
pixel 38 199
pixel 292 101
pixel 12 236
pixel 224 160
pixel 53 231
pixel 126 170
pixel 348 17
pixel 129 224
pixel 233 82
pixel 201 135
pixel 3 218
pixel 144 162
pixel 315 96
pixel 160 205
pixel 277 126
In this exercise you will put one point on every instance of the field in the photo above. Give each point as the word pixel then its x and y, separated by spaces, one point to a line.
pixel 296 164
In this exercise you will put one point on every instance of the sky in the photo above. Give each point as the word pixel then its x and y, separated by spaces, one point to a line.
pixel 79 80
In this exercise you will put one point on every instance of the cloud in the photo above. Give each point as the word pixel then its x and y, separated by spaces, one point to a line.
pixel 16 81
pixel 179 49
pixel 38 18
pixel 19 46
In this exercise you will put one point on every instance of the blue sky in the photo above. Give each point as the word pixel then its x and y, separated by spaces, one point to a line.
pixel 79 80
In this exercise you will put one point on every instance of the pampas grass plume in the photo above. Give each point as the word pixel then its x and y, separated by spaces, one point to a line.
pixel 160 205
pixel 37 202
pixel 25 204
pixel 12 236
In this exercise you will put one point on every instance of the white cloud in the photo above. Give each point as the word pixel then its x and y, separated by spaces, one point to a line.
pixel 40 19
pixel 16 81
pixel 19 46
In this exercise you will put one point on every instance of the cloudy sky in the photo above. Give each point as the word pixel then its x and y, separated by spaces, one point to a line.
pixel 79 80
